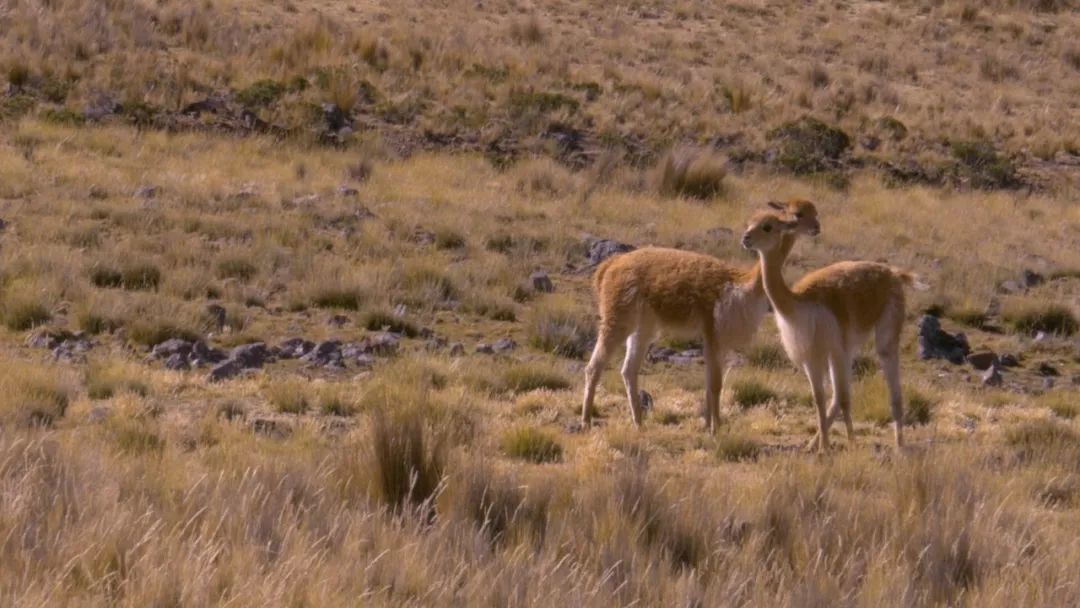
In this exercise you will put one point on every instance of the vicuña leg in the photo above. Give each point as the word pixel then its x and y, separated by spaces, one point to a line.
pixel 816 375
pixel 714 382
pixel 606 343
pixel 890 366
pixel 637 346
pixel 840 370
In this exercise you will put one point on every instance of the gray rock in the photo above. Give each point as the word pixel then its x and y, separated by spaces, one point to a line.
pixel 201 354
pixel 380 344
pixel 1029 278
pixel 435 343
pixel 602 249
pixel 485 349
pixel 146 192
pixel 1047 370
pixel 935 343
pixel 347 191
pixel 646 401
pixel 1048 383
pixel 177 362
pixel 982 360
pixel 992 376
pixel 661 354
pixel 541 282
pixel 503 345
pixel 252 355
pixel 337 321
pixel 1008 360
pixel 101 107
pixel 326 354
pixel 173 346
pixel 269 427
pixel 295 348
pixel 334 117
pixel 226 370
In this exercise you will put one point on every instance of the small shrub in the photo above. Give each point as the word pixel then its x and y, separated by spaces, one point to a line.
pixel 287 396
pixel 449 239
pixel 769 356
pixel 381 320
pixel 561 332
pixel 345 298
pixel 261 93
pixel 1051 319
pixel 863 366
pixel 692 173
pixel 525 377
pixel 532 444
pixel 809 146
pixel 919 408
pixel 106 379
pixel 736 448
pixel 980 166
pixel 236 268
pixel 747 394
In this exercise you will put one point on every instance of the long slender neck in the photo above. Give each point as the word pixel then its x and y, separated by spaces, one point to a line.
pixel 772 264
pixel 754 275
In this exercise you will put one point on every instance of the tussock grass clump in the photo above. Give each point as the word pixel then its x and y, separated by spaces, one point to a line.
pixel 969 316
pixel 749 393
pixel 863 366
pixel 406 459
pixel 105 379
pixel 337 400
pixel 155 330
pixel 135 276
pixel 236 267
pixel 527 31
pixel 809 146
pixel 981 166
pixel 1063 404
pixel 136 437
pixel 1050 318
pixel 497 504
pixel 561 330
pixel 691 172
pixel 525 377
pixel 383 320
pixel 424 284
pixel 532 444
pixel 1040 434
pixel 446 238
pixel 34 395
pixel 731 447
pixel 330 296
pixel 22 309
pixel 918 408
pixel 288 396
pixel 770 356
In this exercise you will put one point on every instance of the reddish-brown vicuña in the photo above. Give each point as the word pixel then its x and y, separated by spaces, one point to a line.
pixel 644 292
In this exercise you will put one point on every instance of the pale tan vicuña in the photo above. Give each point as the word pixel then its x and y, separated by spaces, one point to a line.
pixel 641 293
pixel 828 315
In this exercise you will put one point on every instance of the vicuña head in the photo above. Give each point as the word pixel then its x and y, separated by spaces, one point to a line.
pixel 827 316
pixel 652 289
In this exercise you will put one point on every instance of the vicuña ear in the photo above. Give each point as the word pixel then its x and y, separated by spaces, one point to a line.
pixel 776 205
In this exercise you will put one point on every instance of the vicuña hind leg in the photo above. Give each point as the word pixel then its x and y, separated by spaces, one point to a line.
pixel 890 366
pixel 714 382
pixel 840 370
pixel 606 342
pixel 637 346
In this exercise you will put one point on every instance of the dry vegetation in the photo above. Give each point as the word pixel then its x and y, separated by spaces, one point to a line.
pixel 435 476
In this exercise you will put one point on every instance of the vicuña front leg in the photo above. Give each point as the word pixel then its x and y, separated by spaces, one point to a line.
pixel 817 387
pixel 637 346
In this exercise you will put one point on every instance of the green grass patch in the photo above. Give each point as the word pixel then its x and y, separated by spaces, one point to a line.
pixel 532 444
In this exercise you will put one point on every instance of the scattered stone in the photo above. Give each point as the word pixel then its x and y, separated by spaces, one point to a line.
pixel 3 224
pixel 1076 380
pixel 98 414
pixel 305 200
pixel 1008 360
pixel 269 427
pixel 382 344
pixel 201 354
pixel 252 355
pixel 46 339
pixel 177 362
pixel 935 343
pixel 435 343
pixel 422 237
pixel 65 346
pixel 1009 287
pixel 484 349
pixel 504 345
pixel 992 376
pixel 326 354
pixel 1047 370
pixel 1048 383
pixel 364 361
pixel 347 191
pixel 1030 278
pixel 146 192
pixel 338 321
pixel 226 370
pixel 101 107
pixel 602 249
pixel 541 282
pixel 982 360
pixel 295 348
pixel 660 354
pixel 686 357
pixel 335 118
pixel 646 401
pixel 173 346
pixel 1040 337
pixel 457 349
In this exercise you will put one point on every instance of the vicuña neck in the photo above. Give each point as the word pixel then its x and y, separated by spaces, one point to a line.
pixel 754 275
pixel 772 265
